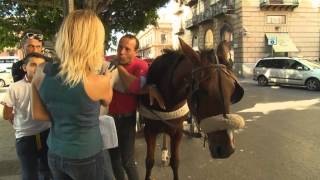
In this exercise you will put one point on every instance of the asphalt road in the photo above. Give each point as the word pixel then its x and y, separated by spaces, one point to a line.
pixel 280 142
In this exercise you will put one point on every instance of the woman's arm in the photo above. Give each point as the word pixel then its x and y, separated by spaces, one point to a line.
pixel 38 109
pixel 107 89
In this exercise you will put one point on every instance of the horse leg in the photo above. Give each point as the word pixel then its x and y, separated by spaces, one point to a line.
pixel 174 160
pixel 164 150
pixel 151 145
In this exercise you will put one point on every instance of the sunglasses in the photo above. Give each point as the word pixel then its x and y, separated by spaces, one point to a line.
pixel 34 36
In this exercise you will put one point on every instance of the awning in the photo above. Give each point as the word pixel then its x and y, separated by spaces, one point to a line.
pixel 283 42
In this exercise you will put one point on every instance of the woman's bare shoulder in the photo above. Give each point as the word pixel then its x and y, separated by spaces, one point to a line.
pixel 95 86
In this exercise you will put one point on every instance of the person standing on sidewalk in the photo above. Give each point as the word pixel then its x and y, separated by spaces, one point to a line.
pixel 32 41
pixel 31 135
pixel 131 83
pixel 72 89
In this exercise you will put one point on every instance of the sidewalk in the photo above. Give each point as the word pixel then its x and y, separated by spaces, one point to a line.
pixel 246 80
pixel 9 164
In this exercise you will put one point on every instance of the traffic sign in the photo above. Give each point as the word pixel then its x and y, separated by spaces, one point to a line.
pixel 272 40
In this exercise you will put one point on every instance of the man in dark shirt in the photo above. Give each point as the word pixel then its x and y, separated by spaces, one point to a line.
pixel 32 41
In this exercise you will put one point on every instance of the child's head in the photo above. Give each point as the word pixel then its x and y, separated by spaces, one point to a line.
pixel 30 63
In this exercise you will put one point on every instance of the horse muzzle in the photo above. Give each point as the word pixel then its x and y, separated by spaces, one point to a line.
pixel 221 144
pixel 220 152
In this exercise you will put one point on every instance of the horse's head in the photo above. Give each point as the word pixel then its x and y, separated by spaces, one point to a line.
pixel 212 89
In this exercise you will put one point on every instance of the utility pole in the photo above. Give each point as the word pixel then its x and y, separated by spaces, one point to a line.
pixel 68 6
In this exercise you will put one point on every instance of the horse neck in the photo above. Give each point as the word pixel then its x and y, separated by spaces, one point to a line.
pixel 173 92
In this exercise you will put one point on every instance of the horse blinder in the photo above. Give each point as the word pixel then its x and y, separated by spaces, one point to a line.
pixel 237 94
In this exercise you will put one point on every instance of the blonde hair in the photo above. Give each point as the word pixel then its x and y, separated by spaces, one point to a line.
pixel 80 46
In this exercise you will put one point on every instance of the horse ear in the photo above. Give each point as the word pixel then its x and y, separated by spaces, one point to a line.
pixel 189 52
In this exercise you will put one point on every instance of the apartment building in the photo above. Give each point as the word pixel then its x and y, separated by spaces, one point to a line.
pixel 256 28
pixel 155 38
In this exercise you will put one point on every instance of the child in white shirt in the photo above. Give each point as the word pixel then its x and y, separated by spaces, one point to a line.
pixel 31 135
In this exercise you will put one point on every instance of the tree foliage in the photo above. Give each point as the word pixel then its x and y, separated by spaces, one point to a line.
pixel 47 15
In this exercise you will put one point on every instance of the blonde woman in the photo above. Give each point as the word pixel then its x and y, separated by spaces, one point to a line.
pixel 72 90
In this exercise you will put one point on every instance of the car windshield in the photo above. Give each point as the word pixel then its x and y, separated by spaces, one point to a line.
pixel 312 64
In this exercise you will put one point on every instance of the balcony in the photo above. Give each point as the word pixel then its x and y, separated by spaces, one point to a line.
pixel 180 31
pixel 192 22
pixel 223 7
pixel 200 18
pixel 279 5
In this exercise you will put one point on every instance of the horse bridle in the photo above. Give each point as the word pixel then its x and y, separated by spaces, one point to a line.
pixel 196 90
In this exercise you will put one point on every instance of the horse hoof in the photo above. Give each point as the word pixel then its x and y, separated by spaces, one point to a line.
pixel 165 157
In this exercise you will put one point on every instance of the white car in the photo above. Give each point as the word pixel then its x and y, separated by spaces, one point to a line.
pixel 285 70
pixel 5 79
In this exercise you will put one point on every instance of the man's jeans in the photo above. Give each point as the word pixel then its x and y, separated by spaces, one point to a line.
pixel 32 153
pixel 108 173
pixel 122 157
pixel 91 168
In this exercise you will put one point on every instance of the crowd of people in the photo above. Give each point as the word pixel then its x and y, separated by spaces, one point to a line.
pixel 74 118
pixel 54 104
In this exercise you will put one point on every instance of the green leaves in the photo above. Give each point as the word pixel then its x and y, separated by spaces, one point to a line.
pixel 47 15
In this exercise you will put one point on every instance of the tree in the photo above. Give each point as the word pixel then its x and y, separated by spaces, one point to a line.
pixel 47 15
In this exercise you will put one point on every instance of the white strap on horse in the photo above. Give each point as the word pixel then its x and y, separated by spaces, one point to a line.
pixel 156 115
pixel 218 122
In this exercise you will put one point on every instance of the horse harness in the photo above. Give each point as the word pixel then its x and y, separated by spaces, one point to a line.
pixel 195 92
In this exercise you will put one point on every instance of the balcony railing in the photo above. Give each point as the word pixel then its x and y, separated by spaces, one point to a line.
pixel 221 7
pixel 279 4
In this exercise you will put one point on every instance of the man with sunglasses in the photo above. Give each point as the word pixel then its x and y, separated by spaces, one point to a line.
pixel 32 41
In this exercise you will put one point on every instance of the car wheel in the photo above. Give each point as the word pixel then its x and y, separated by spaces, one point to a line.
pixel 313 84
pixel 262 81
pixel 2 83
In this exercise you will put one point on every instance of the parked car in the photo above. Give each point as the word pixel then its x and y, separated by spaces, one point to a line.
pixel 286 70
pixel 5 79
pixel 6 63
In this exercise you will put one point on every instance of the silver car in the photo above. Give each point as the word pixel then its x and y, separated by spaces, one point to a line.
pixel 285 70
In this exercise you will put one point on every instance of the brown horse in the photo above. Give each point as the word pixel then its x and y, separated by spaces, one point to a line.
pixel 196 79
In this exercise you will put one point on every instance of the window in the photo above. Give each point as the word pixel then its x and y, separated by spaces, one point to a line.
pixel 163 38
pixel 281 19
pixel 264 63
pixel 195 42
pixel 208 44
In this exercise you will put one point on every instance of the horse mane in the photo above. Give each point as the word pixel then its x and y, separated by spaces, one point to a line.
pixel 164 64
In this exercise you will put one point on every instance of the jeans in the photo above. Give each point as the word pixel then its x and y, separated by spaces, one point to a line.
pixel 91 168
pixel 33 156
pixel 122 157
pixel 108 173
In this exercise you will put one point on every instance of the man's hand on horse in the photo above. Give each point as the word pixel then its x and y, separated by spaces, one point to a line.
pixel 155 94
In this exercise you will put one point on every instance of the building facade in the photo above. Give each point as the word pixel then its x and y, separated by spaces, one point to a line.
pixel 256 28
pixel 154 39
